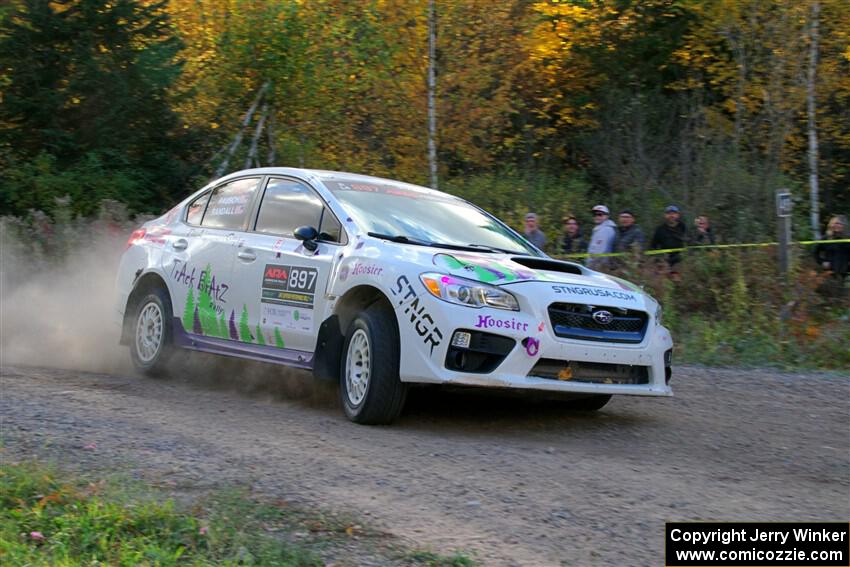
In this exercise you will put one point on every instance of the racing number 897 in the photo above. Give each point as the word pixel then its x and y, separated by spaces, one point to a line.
pixel 302 280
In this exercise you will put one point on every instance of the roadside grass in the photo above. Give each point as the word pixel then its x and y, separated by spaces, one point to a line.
pixel 50 518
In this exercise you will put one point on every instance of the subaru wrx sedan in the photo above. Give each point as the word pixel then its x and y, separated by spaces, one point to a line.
pixel 380 284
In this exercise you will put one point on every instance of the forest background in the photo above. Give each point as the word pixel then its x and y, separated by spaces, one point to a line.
pixel 547 106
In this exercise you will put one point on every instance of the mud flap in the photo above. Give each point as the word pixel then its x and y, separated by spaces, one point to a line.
pixel 328 350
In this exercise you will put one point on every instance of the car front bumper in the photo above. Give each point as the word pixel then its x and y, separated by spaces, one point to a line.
pixel 535 341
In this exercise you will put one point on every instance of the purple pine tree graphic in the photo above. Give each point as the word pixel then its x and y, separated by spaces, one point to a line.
pixel 196 326
pixel 234 334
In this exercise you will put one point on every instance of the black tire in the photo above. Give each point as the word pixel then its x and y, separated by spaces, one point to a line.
pixel 590 403
pixel 385 393
pixel 152 364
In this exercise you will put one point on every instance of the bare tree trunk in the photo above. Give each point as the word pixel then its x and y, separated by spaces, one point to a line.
pixel 238 139
pixel 432 87
pixel 271 141
pixel 252 152
pixel 811 110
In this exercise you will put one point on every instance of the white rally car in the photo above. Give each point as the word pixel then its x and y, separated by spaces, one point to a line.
pixel 380 284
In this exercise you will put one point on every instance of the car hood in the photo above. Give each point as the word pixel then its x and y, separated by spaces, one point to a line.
pixel 504 269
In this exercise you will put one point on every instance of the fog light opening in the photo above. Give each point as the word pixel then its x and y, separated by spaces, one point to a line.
pixel 460 359
pixel 461 339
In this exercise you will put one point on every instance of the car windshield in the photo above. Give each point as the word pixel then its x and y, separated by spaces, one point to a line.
pixel 420 214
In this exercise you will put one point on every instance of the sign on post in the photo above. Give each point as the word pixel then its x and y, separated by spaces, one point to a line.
pixel 784 204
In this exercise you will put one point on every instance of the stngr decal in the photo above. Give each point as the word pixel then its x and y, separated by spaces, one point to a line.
pixel 423 323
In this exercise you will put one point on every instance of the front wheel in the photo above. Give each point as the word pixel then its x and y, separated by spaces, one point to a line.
pixel 151 344
pixel 370 388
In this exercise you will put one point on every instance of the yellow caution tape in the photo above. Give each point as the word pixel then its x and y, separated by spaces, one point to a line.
pixel 703 247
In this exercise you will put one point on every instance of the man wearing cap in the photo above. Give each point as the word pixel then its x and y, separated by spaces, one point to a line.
pixel 602 238
pixel 672 233
pixel 629 235
pixel 532 233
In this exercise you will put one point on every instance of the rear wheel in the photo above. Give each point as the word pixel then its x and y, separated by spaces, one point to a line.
pixel 151 345
pixel 371 391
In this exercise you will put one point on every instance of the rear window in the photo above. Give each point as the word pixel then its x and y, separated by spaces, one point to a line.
pixel 229 205
pixel 196 209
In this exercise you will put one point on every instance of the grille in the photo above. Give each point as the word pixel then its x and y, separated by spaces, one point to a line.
pixel 593 372
pixel 575 321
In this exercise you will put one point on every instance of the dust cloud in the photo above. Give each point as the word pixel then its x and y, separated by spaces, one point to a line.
pixel 58 309
pixel 57 293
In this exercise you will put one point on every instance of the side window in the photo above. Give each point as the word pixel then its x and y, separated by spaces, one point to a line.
pixel 196 209
pixel 230 204
pixel 331 229
pixel 287 205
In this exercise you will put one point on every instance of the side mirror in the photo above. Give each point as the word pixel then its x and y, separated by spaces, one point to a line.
pixel 308 235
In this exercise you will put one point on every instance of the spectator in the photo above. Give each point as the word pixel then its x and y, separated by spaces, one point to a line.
pixel 573 242
pixel 703 236
pixel 602 238
pixel 532 233
pixel 835 256
pixel 672 233
pixel 629 235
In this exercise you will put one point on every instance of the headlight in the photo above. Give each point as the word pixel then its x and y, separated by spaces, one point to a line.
pixel 468 292
pixel 659 314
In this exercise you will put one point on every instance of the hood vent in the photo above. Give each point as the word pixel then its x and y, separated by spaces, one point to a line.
pixel 549 265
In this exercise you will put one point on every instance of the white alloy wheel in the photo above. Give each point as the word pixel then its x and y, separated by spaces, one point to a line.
pixel 149 332
pixel 358 365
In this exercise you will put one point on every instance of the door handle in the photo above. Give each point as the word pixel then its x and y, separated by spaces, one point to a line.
pixel 180 244
pixel 247 255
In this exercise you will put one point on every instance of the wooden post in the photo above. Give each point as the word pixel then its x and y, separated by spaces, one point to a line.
pixel 783 213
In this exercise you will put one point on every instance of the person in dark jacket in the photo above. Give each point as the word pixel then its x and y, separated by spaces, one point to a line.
pixel 573 242
pixel 533 233
pixel 672 233
pixel 703 235
pixel 835 256
pixel 629 235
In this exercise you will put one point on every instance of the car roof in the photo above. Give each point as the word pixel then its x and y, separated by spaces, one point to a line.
pixel 327 175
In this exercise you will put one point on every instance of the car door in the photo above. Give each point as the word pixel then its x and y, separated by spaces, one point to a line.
pixel 200 269
pixel 281 282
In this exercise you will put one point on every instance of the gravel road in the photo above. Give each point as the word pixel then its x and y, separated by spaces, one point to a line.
pixel 513 481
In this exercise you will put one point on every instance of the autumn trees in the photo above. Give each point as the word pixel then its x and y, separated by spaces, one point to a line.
pixel 539 104
pixel 85 104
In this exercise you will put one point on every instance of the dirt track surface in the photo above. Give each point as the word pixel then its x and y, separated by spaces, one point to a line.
pixel 513 482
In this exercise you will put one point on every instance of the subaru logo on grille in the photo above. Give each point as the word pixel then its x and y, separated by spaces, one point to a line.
pixel 603 317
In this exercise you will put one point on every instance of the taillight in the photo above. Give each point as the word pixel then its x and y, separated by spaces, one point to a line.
pixel 137 235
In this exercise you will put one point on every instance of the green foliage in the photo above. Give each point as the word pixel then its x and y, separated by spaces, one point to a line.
pixel 261 340
pixel 727 306
pixel 84 108
pixel 431 559
pixel 278 338
pixel 47 521
pixel 36 184
pixel 509 196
